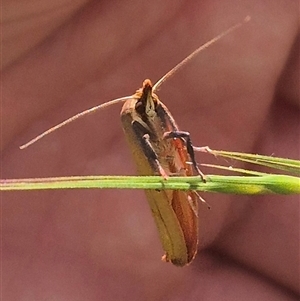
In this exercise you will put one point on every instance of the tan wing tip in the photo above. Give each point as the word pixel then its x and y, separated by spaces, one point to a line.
pixel 176 261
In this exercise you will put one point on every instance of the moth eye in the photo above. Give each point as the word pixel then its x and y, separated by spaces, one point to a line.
pixel 140 108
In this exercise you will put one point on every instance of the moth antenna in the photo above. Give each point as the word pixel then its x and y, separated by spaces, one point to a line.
pixel 155 87
pixel 77 116
pixel 199 49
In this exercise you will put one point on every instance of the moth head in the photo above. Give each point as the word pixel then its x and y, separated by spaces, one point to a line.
pixel 147 102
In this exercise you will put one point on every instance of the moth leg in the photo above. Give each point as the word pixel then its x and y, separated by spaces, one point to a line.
pixel 143 137
pixel 203 149
pixel 201 199
pixel 185 136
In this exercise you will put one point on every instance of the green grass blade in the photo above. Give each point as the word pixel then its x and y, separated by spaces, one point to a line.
pixel 287 165
pixel 250 185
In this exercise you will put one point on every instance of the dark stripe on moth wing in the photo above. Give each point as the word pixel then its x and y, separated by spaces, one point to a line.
pixel 168 122
pixel 142 136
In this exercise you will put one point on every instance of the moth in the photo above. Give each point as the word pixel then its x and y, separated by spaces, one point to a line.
pixel 160 148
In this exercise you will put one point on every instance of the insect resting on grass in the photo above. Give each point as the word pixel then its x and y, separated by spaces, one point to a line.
pixel 159 148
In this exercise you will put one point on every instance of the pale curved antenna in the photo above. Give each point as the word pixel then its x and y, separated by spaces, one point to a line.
pixel 155 87
pixel 194 53
pixel 79 115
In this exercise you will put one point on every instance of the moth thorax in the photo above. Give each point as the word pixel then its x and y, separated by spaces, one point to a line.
pixel 150 107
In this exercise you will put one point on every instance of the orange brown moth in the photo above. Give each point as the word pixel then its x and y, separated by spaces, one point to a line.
pixel 159 148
